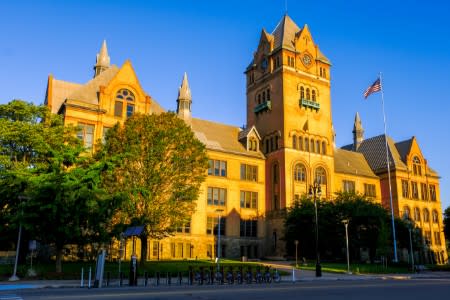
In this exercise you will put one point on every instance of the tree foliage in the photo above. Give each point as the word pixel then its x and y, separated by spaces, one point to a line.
pixel 447 223
pixel 158 166
pixel 48 184
pixel 369 227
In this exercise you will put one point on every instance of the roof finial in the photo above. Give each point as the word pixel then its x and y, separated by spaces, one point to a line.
pixel 184 100
pixel 103 59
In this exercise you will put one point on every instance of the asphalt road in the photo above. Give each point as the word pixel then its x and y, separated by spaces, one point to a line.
pixel 358 289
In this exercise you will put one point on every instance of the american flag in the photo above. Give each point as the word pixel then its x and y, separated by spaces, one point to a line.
pixel 375 87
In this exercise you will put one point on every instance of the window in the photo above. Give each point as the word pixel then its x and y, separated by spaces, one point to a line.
pixel 185 228
pixel 291 61
pixel 324 148
pixel 405 189
pixel 266 142
pixel 417 168
pixel 432 192
pixel 348 186
pixel 321 176
pixel 312 145
pixel 300 173
pixel 217 168
pixel 105 133
pixel 437 238
pixel 212 225
pixel 209 250
pixel 406 212
pixel 124 97
pixel 320 71
pixel 307 94
pixel 249 172
pixel 155 248
pixel 248 228
pixel 369 190
pixel 86 134
pixel 435 217
pixel 306 144
pixel 300 143
pixel 252 144
pixel 294 141
pixel 268 94
pixel 416 214
pixel 324 73
pixel 217 196
pixel 428 237
pixel 189 250
pixel 249 199
pixel 172 249
pixel 318 147
pixel 180 250
pixel 313 95
pixel 414 190
pixel 426 216
pixel 302 93
pixel 275 174
pixel 424 191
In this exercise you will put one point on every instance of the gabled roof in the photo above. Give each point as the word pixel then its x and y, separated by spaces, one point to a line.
pixel 374 150
pixel 352 163
pixel 61 90
pixel 284 33
pixel 245 133
pixel 403 148
pixel 221 137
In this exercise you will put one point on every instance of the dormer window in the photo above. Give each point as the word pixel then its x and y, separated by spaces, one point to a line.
pixel 417 168
pixel 124 98
pixel 252 144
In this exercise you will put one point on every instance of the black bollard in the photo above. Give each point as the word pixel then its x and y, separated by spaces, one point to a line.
pixel 158 277
pixel 120 278
pixel 145 278
pixel 108 278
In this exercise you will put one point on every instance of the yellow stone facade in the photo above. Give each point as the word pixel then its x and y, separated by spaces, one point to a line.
pixel 257 172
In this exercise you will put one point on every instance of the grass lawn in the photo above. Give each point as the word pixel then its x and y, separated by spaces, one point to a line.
pixel 72 270
pixel 357 268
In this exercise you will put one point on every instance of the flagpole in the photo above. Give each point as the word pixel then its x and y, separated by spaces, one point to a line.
pixel 389 173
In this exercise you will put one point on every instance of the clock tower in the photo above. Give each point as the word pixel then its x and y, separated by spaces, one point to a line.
pixel 288 101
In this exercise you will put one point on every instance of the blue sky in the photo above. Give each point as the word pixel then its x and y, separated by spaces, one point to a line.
pixel 213 41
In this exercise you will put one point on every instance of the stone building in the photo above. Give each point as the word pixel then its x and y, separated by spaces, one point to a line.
pixel 256 172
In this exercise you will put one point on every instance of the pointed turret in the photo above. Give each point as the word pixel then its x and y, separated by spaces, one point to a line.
pixel 358 132
pixel 184 101
pixel 103 61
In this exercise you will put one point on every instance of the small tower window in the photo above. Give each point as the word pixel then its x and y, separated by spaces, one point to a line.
pixel 324 148
pixel 318 147
pixel 307 95
pixel 302 93
pixel 313 95
pixel 294 142
pixel 300 143
pixel 417 168
pixel 312 146
pixel 268 94
pixel 306 144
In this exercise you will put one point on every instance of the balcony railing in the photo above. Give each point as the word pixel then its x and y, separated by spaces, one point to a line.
pixel 262 107
pixel 309 104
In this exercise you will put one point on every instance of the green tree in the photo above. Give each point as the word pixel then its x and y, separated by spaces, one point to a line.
pixel 53 189
pixel 159 166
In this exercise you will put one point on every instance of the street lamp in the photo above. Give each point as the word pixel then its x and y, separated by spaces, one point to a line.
pixel 410 226
pixel 315 192
pixel 296 257
pixel 14 276
pixel 219 212
pixel 346 221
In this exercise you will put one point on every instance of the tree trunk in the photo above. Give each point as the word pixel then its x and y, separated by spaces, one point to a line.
pixel 144 248
pixel 59 253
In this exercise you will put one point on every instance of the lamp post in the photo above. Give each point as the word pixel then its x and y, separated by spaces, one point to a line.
pixel 346 221
pixel 219 212
pixel 315 192
pixel 14 276
pixel 296 257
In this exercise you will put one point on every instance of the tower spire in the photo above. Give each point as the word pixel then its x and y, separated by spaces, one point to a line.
pixel 184 100
pixel 358 132
pixel 103 60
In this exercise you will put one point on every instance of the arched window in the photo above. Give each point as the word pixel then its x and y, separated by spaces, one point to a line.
pixel 300 173
pixel 417 168
pixel 276 142
pixel 321 176
pixel 306 144
pixel 268 94
pixel 416 214
pixel 275 174
pixel 294 141
pixel 307 95
pixel 435 217
pixel 426 216
pixel 406 212
pixel 302 93
pixel 125 98
pixel 259 98
pixel 313 95
pixel 324 148
pixel 312 145
pixel 264 96
pixel 271 144
pixel 318 147
pixel 300 143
